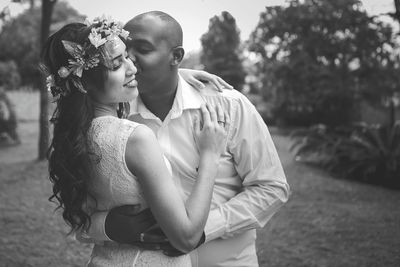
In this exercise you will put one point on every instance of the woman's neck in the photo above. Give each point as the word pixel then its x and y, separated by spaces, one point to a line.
pixel 100 109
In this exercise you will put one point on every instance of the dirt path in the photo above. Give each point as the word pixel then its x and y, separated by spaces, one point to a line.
pixel 327 222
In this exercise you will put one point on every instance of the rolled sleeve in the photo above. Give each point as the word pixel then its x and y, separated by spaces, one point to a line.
pixel 215 226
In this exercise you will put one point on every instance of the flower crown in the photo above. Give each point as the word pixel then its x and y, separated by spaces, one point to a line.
pixel 85 56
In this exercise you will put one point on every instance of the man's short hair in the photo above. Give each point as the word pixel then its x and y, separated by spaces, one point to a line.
pixel 175 28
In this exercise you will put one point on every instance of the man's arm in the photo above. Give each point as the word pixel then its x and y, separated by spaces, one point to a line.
pixel 126 225
pixel 256 160
pixel 123 224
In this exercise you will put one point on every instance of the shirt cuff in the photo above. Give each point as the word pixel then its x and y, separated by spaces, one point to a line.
pixel 215 226
pixel 97 229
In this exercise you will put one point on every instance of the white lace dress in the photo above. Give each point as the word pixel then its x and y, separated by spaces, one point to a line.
pixel 114 185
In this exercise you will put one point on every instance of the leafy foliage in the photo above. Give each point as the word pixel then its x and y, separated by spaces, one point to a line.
pixel 8 118
pixel 221 54
pixel 19 39
pixel 372 153
pixel 319 57
pixel 9 75
pixel 369 153
pixel 317 143
pixel 191 60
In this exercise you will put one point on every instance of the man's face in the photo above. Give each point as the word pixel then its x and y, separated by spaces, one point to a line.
pixel 151 52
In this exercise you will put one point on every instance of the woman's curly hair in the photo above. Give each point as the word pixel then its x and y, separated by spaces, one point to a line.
pixel 68 155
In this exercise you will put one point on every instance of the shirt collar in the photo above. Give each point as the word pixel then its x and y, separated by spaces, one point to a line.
pixel 186 97
pixel 190 97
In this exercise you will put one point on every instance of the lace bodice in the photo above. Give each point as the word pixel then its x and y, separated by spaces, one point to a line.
pixel 112 184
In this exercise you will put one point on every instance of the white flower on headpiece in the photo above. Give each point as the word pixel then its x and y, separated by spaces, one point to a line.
pixel 63 72
pixel 119 24
pixel 103 17
pixel 111 36
pixel 124 34
pixel 95 38
pixel 87 22
pixel 50 82
pixel 107 19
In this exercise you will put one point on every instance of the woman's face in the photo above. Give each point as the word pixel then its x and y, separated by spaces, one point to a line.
pixel 120 84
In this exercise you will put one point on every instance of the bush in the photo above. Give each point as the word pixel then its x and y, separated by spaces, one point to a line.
pixel 20 38
pixel 8 118
pixel 331 109
pixel 9 75
pixel 368 153
pixel 317 143
pixel 371 154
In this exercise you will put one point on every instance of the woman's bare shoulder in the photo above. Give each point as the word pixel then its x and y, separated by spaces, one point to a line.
pixel 141 135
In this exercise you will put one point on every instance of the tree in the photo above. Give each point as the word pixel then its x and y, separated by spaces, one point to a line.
pixel 191 61
pixel 8 117
pixel 44 136
pixel 9 75
pixel 320 57
pixel 221 54
pixel 393 102
pixel 20 39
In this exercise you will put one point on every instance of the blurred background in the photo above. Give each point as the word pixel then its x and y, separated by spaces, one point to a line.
pixel 324 75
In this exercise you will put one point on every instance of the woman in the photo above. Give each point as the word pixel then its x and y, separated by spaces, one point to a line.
pixel 99 161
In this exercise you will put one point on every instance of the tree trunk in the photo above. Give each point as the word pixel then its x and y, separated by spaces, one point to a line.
pixel 47 10
pixel 393 107
pixel 397 10
pixel 392 113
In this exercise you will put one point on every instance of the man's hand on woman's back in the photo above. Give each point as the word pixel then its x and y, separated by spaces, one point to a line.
pixel 128 225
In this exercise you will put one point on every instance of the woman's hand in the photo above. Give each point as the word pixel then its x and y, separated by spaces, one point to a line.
pixel 196 78
pixel 211 136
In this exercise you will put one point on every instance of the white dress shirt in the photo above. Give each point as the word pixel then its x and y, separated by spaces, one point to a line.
pixel 250 185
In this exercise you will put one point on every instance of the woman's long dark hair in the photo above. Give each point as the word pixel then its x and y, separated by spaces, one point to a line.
pixel 68 155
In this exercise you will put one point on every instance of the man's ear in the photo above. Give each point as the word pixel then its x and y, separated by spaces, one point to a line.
pixel 177 54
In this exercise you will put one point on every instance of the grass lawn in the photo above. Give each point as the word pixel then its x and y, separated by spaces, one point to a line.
pixel 327 222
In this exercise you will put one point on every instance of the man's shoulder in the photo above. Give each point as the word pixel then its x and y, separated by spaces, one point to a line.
pixel 227 95
pixel 211 90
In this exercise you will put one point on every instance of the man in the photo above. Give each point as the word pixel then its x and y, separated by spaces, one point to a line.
pixel 250 186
